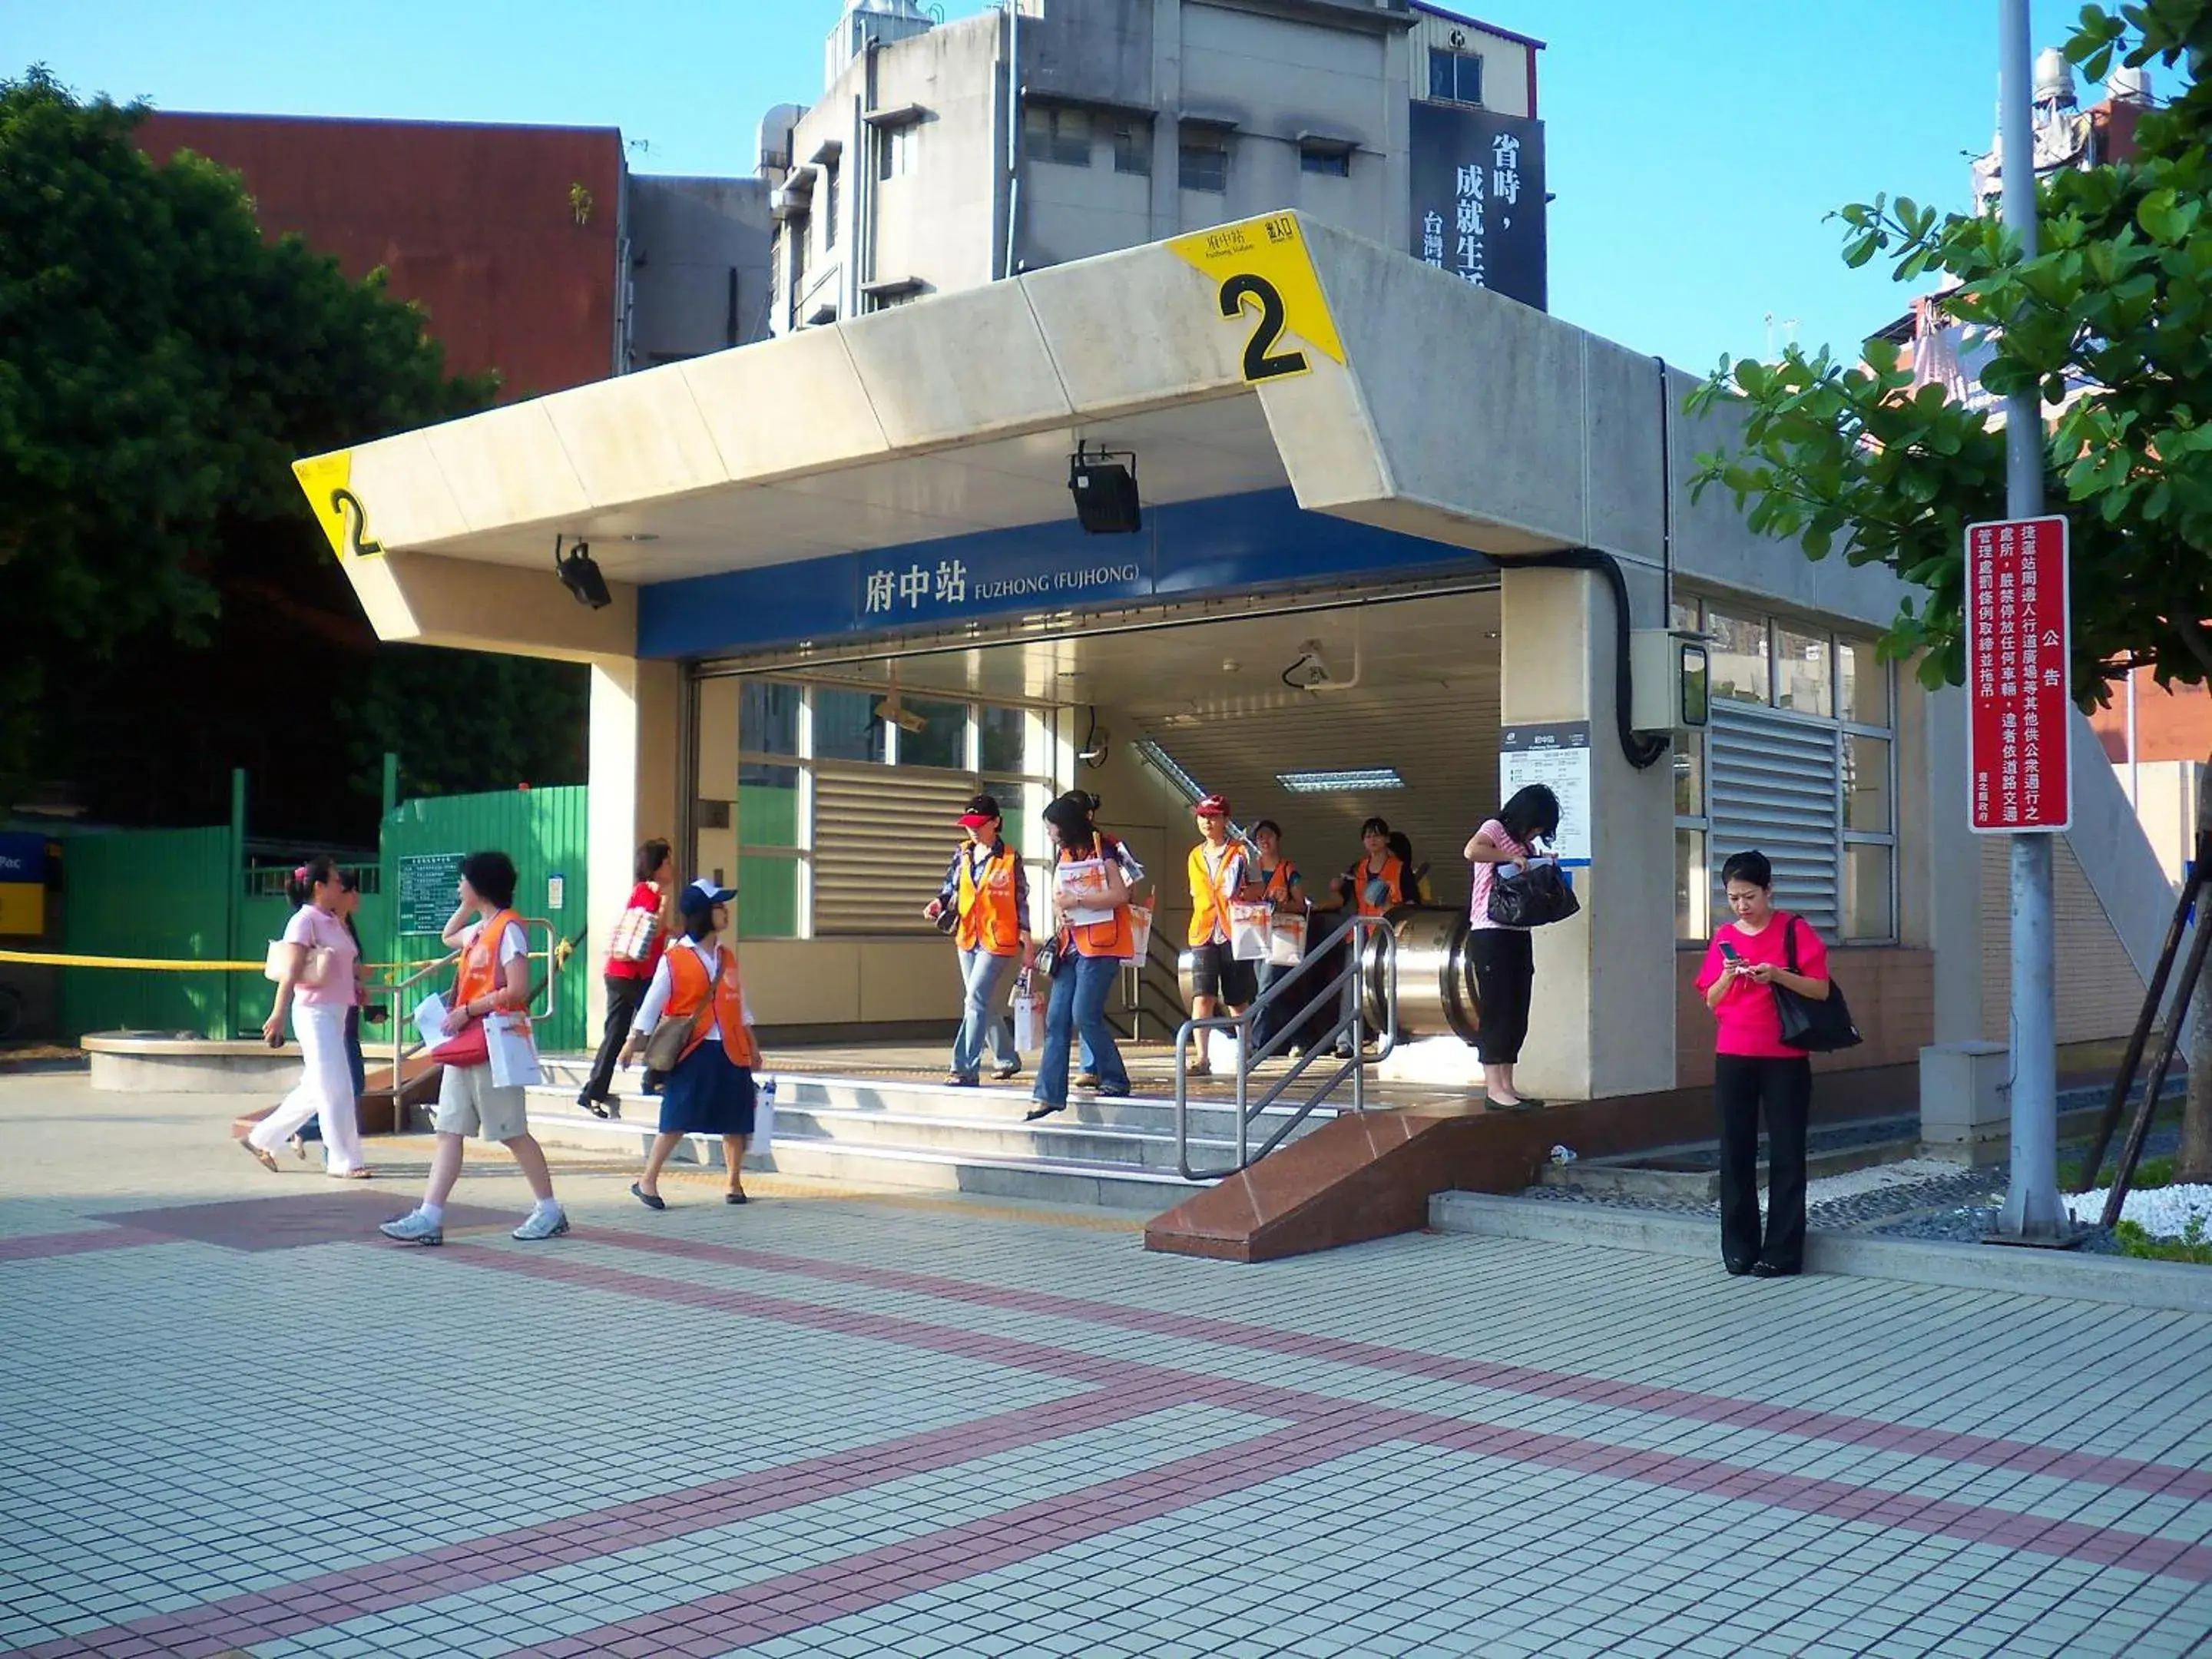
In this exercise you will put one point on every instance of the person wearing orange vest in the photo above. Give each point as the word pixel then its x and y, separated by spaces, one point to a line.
pixel 984 903
pixel 711 1091
pixel 1283 890
pixel 493 985
pixel 1376 883
pixel 1219 872
pixel 1092 875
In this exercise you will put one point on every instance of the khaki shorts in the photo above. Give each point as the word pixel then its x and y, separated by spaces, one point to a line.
pixel 469 1103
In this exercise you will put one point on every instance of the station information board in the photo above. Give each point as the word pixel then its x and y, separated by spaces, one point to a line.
pixel 2019 682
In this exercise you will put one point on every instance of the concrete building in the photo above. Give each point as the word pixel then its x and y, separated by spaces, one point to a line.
pixel 941 157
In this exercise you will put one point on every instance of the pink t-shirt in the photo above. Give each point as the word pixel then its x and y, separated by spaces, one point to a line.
pixel 1480 876
pixel 313 927
pixel 1750 1025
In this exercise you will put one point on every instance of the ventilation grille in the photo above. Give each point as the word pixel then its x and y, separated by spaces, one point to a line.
pixel 882 836
pixel 1774 786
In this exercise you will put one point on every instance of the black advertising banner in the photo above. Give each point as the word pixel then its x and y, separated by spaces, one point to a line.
pixel 1479 197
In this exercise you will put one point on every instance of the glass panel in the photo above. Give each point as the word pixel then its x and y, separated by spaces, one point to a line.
pixel 768 718
pixel 1440 73
pixel 845 726
pixel 1468 81
pixel 1692 891
pixel 1020 804
pixel 829 206
pixel 1133 148
pixel 1689 776
pixel 1333 163
pixel 1057 134
pixel 1866 784
pixel 1865 683
pixel 768 896
pixel 1695 666
pixel 1204 162
pixel 768 805
pixel 1002 732
pixel 1805 674
pixel 1866 892
pixel 942 743
pixel 1682 615
pixel 1739 657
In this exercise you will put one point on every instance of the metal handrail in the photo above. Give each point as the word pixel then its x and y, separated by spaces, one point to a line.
pixel 1354 1024
pixel 1135 984
pixel 402 1052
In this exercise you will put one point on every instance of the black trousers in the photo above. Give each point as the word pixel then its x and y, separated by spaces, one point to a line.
pixel 624 997
pixel 1742 1086
pixel 1504 963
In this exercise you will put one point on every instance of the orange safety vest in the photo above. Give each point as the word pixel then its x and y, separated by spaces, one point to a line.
pixel 1209 896
pixel 480 973
pixel 1278 882
pixel 1392 875
pixel 688 988
pixel 1116 938
pixel 990 915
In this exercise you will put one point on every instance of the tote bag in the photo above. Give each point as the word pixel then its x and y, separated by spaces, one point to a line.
pixel 1820 1026
pixel 1248 931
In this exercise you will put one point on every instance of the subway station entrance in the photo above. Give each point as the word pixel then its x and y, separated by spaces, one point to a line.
pixel 1266 511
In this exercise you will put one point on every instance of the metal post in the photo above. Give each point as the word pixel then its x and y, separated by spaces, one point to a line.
pixel 2033 1213
pixel 234 896
pixel 391 781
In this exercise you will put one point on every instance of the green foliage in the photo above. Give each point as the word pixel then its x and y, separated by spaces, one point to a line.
pixel 527 724
pixel 1836 455
pixel 2151 1172
pixel 161 364
pixel 2192 1246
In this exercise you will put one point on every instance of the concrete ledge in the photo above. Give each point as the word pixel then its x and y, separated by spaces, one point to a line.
pixel 2178 1285
pixel 128 1062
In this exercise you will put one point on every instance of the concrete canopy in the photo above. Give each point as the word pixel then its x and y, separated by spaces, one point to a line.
pixel 1392 395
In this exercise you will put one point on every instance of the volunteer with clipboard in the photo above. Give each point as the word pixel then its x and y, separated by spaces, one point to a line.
pixel 1092 874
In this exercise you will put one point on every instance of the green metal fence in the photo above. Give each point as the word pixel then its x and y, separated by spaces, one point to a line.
pixel 162 893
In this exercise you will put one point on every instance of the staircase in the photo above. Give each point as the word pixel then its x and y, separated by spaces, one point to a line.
pixel 908 1133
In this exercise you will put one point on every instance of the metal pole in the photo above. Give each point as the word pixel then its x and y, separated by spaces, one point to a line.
pixel 2033 1213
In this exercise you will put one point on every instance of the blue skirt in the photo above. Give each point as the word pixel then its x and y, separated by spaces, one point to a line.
pixel 708 1094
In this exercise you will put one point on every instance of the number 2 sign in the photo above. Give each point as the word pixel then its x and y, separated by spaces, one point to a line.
pixel 1264 275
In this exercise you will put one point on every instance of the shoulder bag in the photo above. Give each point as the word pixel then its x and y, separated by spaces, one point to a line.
pixel 671 1037
pixel 317 963
pixel 1534 895
pixel 1818 1025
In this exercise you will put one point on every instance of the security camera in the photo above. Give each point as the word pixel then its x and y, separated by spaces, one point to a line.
pixel 1310 669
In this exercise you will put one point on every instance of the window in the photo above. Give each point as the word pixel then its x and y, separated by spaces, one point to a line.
pixel 1057 133
pixel 829 206
pixel 832 821
pixel 1204 160
pixel 895 151
pixel 1330 161
pixel 1455 77
pixel 1133 147
pixel 795 233
pixel 1800 762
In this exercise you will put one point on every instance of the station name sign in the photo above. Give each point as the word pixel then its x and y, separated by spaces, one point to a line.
pixel 906 588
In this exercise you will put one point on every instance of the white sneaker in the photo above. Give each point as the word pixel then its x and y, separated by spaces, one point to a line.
pixel 414 1228
pixel 541 1224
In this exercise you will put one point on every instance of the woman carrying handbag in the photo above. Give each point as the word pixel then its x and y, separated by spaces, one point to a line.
pixel 1504 959
pixel 313 965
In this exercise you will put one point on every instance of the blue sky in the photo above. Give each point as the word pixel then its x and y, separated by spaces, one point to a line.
pixel 1694 148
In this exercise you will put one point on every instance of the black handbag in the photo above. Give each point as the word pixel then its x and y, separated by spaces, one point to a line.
pixel 1819 1025
pixel 1534 895
pixel 1046 959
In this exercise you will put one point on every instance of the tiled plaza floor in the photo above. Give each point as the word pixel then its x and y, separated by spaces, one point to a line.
pixel 233 1420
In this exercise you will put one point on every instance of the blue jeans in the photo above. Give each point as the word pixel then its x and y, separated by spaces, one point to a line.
pixel 981 973
pixel 1079 1003
pixel 1267 1019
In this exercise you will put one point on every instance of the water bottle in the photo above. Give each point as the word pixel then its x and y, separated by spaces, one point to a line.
pixel 1563 1154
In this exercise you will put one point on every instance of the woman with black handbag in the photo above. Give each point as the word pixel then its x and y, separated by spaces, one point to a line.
pixel 1761 961
pixel 1503 960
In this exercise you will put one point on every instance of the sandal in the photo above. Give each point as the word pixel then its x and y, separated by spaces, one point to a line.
pixel 266 1160
pixel 361 1174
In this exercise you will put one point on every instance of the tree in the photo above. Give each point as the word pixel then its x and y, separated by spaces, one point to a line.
pixel 2117 301
pixel 161 364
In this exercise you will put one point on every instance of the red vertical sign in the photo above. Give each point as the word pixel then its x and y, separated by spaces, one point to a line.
pixel 2020 680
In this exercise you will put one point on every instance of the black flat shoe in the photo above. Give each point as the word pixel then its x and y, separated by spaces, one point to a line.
pixel 1771 1270
pixel 597 1108
pixel 651 1201
pixel 1738 1269
pixel 1524 1105
pixel 735 1198
pixel 1043 1109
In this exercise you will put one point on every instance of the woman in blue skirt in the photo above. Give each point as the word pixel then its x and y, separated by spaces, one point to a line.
pixel 710 1092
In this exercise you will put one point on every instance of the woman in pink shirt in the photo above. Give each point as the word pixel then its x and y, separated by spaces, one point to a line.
pixel 317 990
pixel 1753 1068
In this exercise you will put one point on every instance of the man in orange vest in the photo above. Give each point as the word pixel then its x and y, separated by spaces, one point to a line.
pixel 1219 872
pixel 985 897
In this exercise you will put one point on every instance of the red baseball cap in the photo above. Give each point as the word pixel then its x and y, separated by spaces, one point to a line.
pixel 1213 806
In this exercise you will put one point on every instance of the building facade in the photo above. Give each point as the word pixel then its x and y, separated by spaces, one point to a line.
pixel 942 156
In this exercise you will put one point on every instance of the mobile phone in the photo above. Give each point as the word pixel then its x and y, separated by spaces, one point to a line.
pixel 1730 952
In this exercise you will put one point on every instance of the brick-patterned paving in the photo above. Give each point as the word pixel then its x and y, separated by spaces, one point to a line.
pixel 845 1427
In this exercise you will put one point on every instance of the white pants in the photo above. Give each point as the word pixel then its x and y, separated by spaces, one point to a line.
pixel 324 1091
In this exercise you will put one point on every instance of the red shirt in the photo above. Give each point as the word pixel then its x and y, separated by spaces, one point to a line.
pixel 643 897
pixel 1749 1022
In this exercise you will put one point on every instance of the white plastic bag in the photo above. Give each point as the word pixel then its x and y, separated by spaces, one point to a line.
pixel 1287 940
pixel 763 1117
pixel 1222 1052
pixel 1028 1023
pixel 513 1055
pixel 1248 931
pixel 1141 933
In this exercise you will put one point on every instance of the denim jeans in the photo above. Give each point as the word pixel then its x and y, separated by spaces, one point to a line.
pixel 1268 1019
pixel 1079 991
pixel 981 973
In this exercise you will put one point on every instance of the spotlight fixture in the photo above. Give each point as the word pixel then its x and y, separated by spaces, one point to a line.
pixel 579 573
pixel 1105 491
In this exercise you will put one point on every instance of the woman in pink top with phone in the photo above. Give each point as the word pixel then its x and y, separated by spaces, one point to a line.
pixel 1754 1069
pixel 316 988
